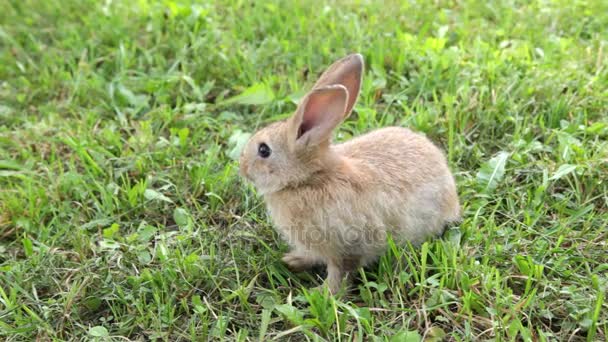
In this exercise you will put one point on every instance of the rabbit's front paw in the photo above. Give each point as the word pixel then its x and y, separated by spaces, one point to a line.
pixel 298 262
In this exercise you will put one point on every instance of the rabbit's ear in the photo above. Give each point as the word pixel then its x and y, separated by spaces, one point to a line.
pixel 318 114
pixel 347 72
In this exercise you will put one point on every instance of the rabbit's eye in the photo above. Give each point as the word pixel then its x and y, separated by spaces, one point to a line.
pixel 264 151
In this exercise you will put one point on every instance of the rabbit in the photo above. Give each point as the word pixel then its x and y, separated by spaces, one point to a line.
pixel 336 204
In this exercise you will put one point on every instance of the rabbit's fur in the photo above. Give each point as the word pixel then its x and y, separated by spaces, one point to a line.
pixel 335 204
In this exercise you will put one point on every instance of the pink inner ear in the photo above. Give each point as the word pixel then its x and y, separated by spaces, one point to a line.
pixel 322 111
pixel 347 72
pixel 303 129
pixel 312 118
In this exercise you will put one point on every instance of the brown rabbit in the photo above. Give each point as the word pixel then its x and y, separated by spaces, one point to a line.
pixel 336 204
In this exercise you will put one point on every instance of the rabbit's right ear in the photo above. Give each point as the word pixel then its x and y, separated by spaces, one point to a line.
pixel 318 114
pixel 347 72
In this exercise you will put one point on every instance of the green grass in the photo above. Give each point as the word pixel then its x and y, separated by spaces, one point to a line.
pixel 122 214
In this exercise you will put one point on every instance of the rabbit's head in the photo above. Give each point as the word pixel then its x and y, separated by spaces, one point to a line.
pixel 290 152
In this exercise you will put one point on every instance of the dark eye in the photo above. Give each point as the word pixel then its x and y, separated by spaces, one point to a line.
pixel 264 151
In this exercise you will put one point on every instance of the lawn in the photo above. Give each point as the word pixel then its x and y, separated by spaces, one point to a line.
pixel 122 215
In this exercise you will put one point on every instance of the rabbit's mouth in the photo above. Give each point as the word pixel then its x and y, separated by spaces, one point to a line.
pixel 260 184
pixel 266 185
pixel 243 171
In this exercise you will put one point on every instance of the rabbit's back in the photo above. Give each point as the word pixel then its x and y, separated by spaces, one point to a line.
pixel 396 156
pixel 411 176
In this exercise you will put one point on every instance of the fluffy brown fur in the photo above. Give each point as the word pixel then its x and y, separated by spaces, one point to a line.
pixel 336 204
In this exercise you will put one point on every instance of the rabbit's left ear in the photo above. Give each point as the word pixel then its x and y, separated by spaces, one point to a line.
pixel 347 72
pixel 319 113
